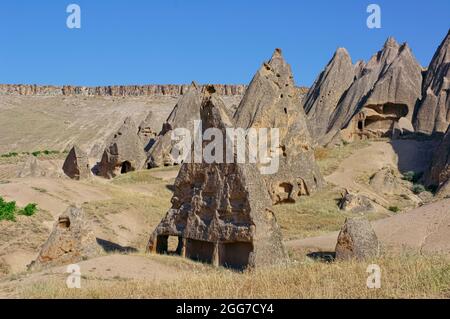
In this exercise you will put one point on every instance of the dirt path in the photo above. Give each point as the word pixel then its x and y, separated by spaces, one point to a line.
pixel 425 230
pixel 373 158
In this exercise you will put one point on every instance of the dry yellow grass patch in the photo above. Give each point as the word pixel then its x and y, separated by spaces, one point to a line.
pixel 402 277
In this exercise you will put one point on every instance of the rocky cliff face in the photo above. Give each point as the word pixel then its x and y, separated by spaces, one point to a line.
pixel 324 95
pixel 384 90
pixel 121 90
pixel 433 114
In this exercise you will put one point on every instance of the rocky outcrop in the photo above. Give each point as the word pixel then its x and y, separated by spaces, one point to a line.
pixel 146 132
pixel 438 175
pixel 356 203
pixel 385 90
pixel 32 168
pixel 71 241
pixel 119 90
pixel 221 212
pixel 125 152
pixel 271 101
pixel 357 240
pixel 183 116
pixel 433 115
pixel 385 181
pixel 327 90
pixel 76 165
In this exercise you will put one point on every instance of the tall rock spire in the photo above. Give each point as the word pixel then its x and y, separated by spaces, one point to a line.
pixel 271 101
pixel 324 95
pixel 433 114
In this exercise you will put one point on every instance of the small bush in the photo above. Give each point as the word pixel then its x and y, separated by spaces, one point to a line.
pixel 10 154
pixel 417 189
pixel 394 209
pixel 412 176
pixel 7 210
pixel 28 210
pixel 36 153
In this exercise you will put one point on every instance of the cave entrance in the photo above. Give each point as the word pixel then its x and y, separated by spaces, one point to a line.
pixel 235 255
pixel 361 125
pixel 201 251
pixel 126 167
pixel 169 245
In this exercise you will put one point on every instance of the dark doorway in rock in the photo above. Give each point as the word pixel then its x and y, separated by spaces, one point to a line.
pixel 126 167
pixel 235 255
pixel 201 251
pixel 360 125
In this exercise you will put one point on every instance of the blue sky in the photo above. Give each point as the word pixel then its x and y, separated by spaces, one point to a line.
pixel 210 41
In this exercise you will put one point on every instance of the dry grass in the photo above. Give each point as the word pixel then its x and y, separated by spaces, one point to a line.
pixel 402 277
pixel 315 215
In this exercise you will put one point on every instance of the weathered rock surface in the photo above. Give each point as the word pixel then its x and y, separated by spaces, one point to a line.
pixel 385 90
pixel 271 101
pixel 146 132
pixel 125 152
pixel 433 114
pixel 221 212
pixel 32 168
pixel 357 240
pixel 356 203
pixel 71 241
pixel 324 95
pixel 76 165
pixel 183 116
pixel 438 175
pixel 385 181
pixel 119 90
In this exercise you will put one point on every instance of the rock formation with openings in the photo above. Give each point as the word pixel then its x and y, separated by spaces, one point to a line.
pixel 125 152
pixel 71 241
pixel 433 115
pixel 221 212
pixel 438 175
pixel 146 132
pixel 385 90
pixel 357 240
pixel 271 101
pixel 323 97
pixel 76 165
pixel 183 115
pixel 31 168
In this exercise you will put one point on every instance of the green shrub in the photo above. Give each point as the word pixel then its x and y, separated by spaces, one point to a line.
pixel 36 153
pixel 412 176
pixel 7 210
pixel 417 189
pixel 28 210
pixel 10 154
pixel 394 209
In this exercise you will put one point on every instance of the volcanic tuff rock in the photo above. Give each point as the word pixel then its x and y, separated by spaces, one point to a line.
pixel 356 203
pixel 385 181
pixel 32 168
pixel 434 112
pixel 146 132
pixel 76 165
pixel 357 240
pixel 119 90
pixel 221 212
pixel 183 115
pixel 271 101
pixel 324 95
pixel 385 89
pixel 125 152
pixel 71 241
pixel 438 174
